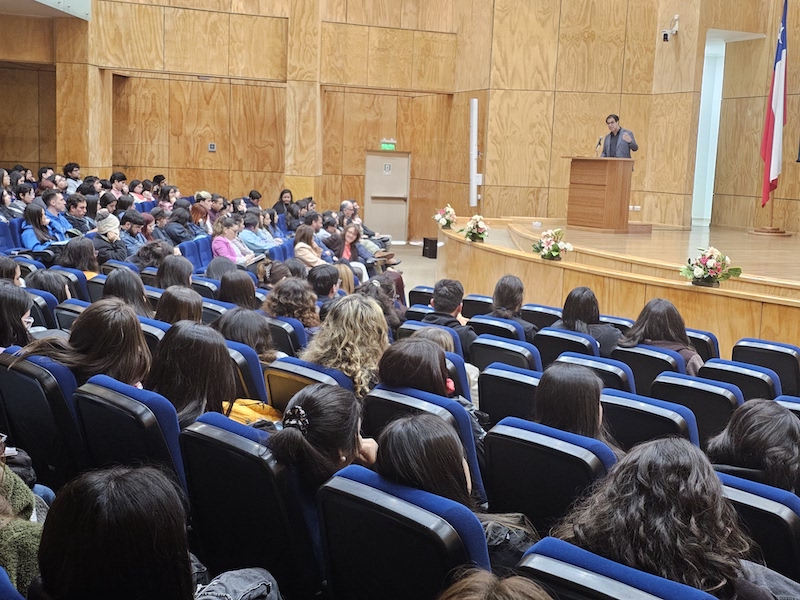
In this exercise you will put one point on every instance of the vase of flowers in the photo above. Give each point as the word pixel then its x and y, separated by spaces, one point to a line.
pixel 445 217
pixel 552 245
pixel 708 269
pixel 476 230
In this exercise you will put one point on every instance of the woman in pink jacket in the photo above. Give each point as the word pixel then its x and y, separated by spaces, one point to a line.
pixel 222 245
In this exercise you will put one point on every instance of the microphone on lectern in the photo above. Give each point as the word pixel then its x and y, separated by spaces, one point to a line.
pixel 599 144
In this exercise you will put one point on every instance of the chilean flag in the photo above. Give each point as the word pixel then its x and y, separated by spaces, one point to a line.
pixel 772 142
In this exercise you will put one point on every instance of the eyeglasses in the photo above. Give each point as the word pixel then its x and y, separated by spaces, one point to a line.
pixel 27 321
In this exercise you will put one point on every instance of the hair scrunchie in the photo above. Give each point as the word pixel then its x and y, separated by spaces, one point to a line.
pixel 296 417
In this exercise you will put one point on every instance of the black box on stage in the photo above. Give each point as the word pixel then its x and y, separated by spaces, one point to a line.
pixel 429 247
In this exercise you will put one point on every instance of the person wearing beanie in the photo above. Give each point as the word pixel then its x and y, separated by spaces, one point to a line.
pixel 107 242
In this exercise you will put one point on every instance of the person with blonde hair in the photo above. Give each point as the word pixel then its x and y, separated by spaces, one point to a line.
pixel 347 276
pixel 476 584
pixel 352 339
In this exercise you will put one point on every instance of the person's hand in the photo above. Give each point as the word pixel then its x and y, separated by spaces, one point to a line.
pixel 176 251
pixel 367 451
pixel 627 138
pixel 112 235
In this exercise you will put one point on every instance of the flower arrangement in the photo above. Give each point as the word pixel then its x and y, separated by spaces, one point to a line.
pixel 552 245
pixel 711 267
pixel 476 230
pixel 445 217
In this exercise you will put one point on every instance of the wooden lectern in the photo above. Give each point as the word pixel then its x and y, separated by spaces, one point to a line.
pixel 599 193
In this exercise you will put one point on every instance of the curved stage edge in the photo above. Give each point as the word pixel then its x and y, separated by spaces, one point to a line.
pixel 749 307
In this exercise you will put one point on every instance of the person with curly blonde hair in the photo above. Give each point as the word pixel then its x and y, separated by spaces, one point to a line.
pixel 352 339
pixel 293 297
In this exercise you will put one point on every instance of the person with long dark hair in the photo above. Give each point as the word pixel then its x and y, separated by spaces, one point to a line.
pixel 568 398
pixel 761 435
pixel 9 270
pixel 507 301
pixel 79 253
pixel 238 288
pixel 661 325
pixel 127 286
pixel 36 231
pixel 174 270
pixel 48 280
pixel 284 199
pixel 582 314
pixel 305 248
pixel 179 303
pixel 193 370
pixel 15 318
pixel 178 226
pixel 424 451
pixel 661 510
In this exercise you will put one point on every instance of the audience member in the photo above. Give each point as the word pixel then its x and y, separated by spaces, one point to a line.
pixel 9 269
pixel 36 231
pixel 347 277
pixel 582 314
pixel 126 285
pixel 107 242
pixel 297 268
pixel 444 340
pixel 507 301
pixel 225 230
pixel 293 298
pixel 305 248
pixel 79 253
pixel 76 214
pixel 15 318
pixel 177 227
pixel 130 230
pixel 324 280
pixel 381 289
pixel 152 254
pixel 6 213
pixel 284 199
pixel 477 584
pixel 161 218
pixel 237 287
pixel 446 303
pixel 179 303
pixel 174 270
pixel 53 282
pixel 258 240
pixel 251 328
pixel 218 266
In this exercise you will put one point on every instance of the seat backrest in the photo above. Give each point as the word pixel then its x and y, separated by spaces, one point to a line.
pixel 148 276
pixel 540 315
pixel 189 250
pixel 421 294
pixel 416 312
pixel 95 285
pixel 204 250
pixel 227 466
pixel 505 328
pixel 384 404
pixel 284 336
pixel 77 282
pixel 615 374
pixel 457 370
pixel 754 381
pixel 647 363
pixel 552 342
pixel 39 416
pixel 476 304
pixel 212 309
pixel 620 323
pixel 153 295
pixel 15 228
pixel 488 349
pixel 110 265
pixel 207 288
pixel 69 310
pixel 712 402
pixel 632 419
pixel 28 265
pixel 7 242
pixel 784 359
pixel 705 343
pixel 411 531
pixel 276 253
pixel 122 424
pixel 578 574
pixel 791 403
pixel 7 589
pixel 154 331
pixel 299 330
pixel 540 471
pixel 771 517
pixel 408 328
pixel 287 376
pixel 507 391
pixel 43 310
pixel 249 372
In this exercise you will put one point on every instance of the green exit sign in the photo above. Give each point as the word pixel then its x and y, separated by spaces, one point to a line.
pixel 387 146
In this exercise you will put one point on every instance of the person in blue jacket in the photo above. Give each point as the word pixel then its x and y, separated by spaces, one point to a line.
pixel 36 231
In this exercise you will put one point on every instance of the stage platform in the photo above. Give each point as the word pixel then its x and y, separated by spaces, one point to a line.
pixel 626 270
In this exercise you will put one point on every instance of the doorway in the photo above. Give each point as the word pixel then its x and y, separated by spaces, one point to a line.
pixel 386 188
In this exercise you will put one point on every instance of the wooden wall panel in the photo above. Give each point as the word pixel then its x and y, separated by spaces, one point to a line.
pixel 100 91
pixel 429 118
pixel 257 124
pixel 519 137
pixel 367 119
pixel 739 15
pixel 192 180
pixel 424 199
pixel 329 194
pixel 678 65
pixel 734 211
pixel 72 41
pixel 642 28
pixel 626 299
pixel 434 61
pixel 670 209
pixel 332 132
pixel 265 8
pixel 27 39
pixel 576 123
pixel 780 323
pixel 474 43
pixel 334 10
pixel 745 75
pixel 216 5
pixel 269 184
pixel 591 44
pixel 199 114
pixel 391 54
pixel 499 201
pixel 258 47
pixel 457 196
pixel 304 40
pixel 524 29
pixel 72 107
pixel 19 119
pixel 128 35
pixel 378 13
pixel 303 155
pixel 634 114
pixel 787 213
pixel 47 117
pixel 426 15
pixel 352 187
pixel 198 41
pixel 738 154
pixel 671 149
pixel 344 54
pixel 556 203
pixel 789 182
pixel 141 121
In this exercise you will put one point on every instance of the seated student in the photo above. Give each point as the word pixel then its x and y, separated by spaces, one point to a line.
pixel 297 268
pixel 271 225
pixel 324 280
pixel 582 314
pixel 25 196
pixel 107 242
pixel 254 237
pixel 285 199
pixel 568 398
pixel 126 285
pixel 174 270
pixel 177 228
pixel 54 282
pixel 121 533
pixel 54 201
pixel 446 303
pixel 179 303
pixel 124 203
pixel 406 450
pixel 305 248
pixel 507 302
pixel 198 223
pixel 130 230
pixel 347 278
pixel 193 370
pixel 108 201
pixel 9 270
pixel 237 287
pixel 444 340
pixel 352 339
pixel 76 214
pixel 477 584
pixel 762 435
pixel 294 298
pixel 293 220
pixel 661 510
pixel 661 325
pixel 272 273
pixel 15 318
pixel 152 254
pixel 36 231
pixel 79 253
pixel 381 289
pixel 161 218
pixel 105 339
